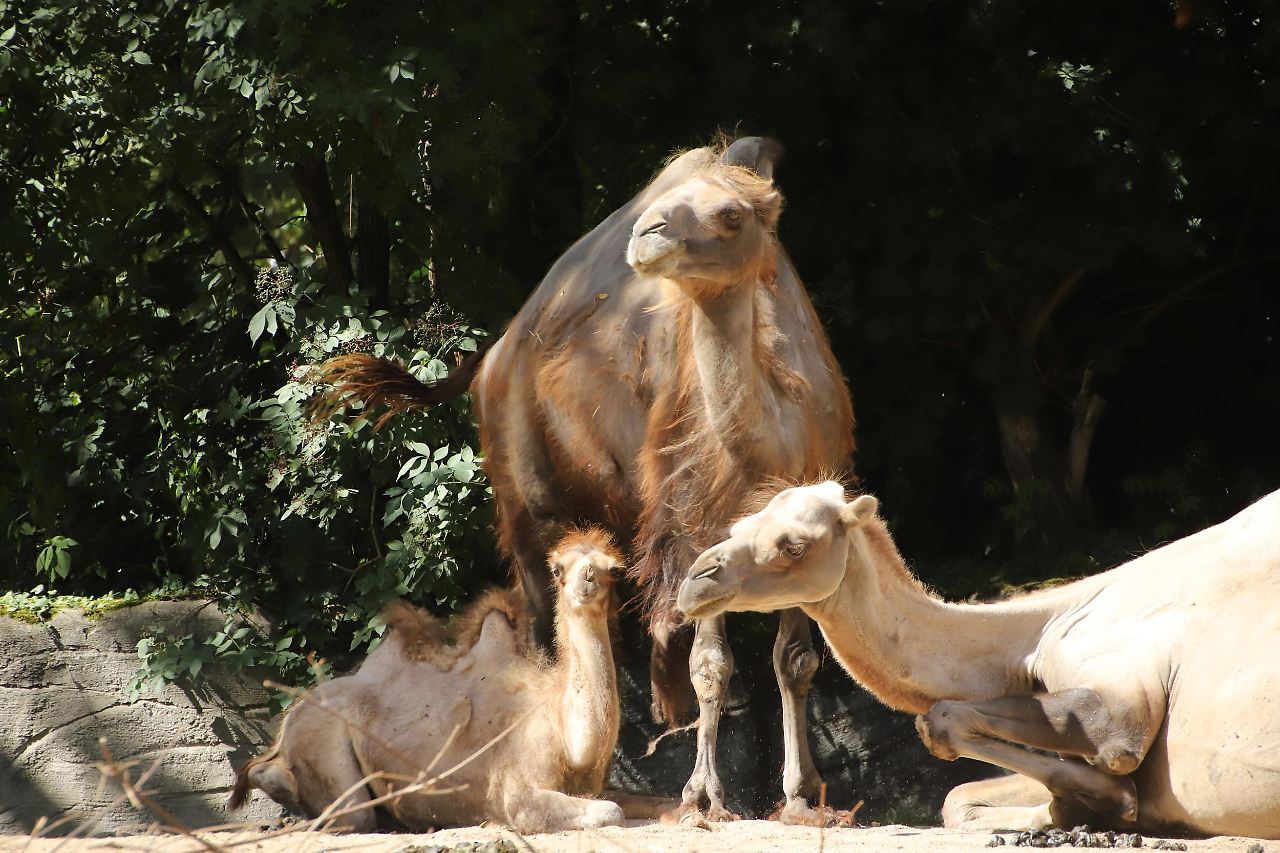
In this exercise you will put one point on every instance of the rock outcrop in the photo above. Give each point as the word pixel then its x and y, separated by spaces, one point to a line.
pixel 63 686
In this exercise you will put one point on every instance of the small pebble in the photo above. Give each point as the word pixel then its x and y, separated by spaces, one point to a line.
pixel 1254 848
pixel 996 841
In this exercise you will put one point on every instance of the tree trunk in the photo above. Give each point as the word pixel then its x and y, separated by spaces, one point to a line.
pixel 312 177
pixel 373 252
pixel 1035 474
pixel 1048 477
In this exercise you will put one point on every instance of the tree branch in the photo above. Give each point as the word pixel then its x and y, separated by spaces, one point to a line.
pixel 217 234
pixel 1088 409
pixel 1038 315
pixel 231 179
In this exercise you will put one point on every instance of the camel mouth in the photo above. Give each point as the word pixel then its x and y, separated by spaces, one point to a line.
pixel 648 253
pixel 698 599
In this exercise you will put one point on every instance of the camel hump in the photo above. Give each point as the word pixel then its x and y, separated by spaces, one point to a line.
pixel 757 153
pixel 418 632
pixel 509 604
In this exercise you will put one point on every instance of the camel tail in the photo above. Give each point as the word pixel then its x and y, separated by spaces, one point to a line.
pixel 379 383
pixel 240 791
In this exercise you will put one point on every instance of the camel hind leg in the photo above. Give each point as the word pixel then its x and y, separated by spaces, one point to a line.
pixel 544 810
pixel 1013 803
pixel 314 765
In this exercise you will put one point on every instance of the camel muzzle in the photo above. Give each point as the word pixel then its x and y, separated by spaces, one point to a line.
pixel 704 592
pixel 649 248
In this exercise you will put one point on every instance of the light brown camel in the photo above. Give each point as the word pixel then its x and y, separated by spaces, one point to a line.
pixel 670 360
pixel 397 715
pixel 1156 682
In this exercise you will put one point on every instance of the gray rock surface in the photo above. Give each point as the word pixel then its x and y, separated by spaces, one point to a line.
pixel 63 687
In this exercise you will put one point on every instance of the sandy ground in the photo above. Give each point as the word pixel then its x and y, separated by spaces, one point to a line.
pixel 739 837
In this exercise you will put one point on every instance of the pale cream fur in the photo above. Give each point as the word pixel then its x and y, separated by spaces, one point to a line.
pixel 1169 662
pixel 397 712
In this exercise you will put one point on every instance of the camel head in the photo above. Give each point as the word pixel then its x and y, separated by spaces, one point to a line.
pixel 585 566
pixel 716 228
pixel 793 552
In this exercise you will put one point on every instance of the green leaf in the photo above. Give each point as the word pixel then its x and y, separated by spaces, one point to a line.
pixel 258 323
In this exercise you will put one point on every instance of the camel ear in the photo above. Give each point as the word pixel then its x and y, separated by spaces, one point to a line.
pixel 768 207
pixel 859 511
pixel 757 153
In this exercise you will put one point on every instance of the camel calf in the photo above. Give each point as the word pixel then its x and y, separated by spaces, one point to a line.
pixel 530 738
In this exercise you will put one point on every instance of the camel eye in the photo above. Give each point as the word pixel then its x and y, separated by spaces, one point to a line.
pixel 731 215
pixel 795 550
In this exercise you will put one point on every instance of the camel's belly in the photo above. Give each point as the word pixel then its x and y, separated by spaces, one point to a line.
pixel 1216 766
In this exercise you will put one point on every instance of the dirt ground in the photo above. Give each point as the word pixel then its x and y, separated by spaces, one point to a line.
pixel 639 837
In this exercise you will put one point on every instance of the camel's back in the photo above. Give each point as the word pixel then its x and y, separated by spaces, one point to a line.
pixel 1184 596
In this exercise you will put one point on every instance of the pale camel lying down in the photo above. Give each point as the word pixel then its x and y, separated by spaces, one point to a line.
pixel 1156 682
pixel 398 714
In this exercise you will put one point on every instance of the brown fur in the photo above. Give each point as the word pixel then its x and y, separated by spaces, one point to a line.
pixel 382 384
pixel 591 406
pixel 423 637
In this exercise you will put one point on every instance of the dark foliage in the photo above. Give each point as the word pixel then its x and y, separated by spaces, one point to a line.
pixel 1042 237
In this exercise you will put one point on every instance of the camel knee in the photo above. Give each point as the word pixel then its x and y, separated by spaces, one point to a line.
pixel 795 664
pixel 710 666
pixel 944 727
pixel 1118 757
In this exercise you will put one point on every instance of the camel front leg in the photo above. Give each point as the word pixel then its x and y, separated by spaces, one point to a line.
pixel 1081 792
pixel 544 810
pixel 710 665
pixel 794 663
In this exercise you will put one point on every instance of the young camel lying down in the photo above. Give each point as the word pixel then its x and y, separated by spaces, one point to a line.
pixel 1156 682
pixel 539 733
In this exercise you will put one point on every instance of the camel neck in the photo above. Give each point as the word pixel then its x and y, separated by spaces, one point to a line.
pixel 723 340
pixel 589 706
pixel 911 649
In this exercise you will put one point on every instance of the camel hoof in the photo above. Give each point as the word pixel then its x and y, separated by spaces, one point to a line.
pixel 686 814
pixel 798 812
pixel 719 814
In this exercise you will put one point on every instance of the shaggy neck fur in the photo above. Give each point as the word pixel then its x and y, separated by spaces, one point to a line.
pixel 912 649
pixel 588 705
pixel 722 331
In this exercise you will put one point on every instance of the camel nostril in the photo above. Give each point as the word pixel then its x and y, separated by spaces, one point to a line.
pixel 655 227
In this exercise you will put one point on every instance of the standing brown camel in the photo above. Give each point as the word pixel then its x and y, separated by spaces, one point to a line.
pixel 669 360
